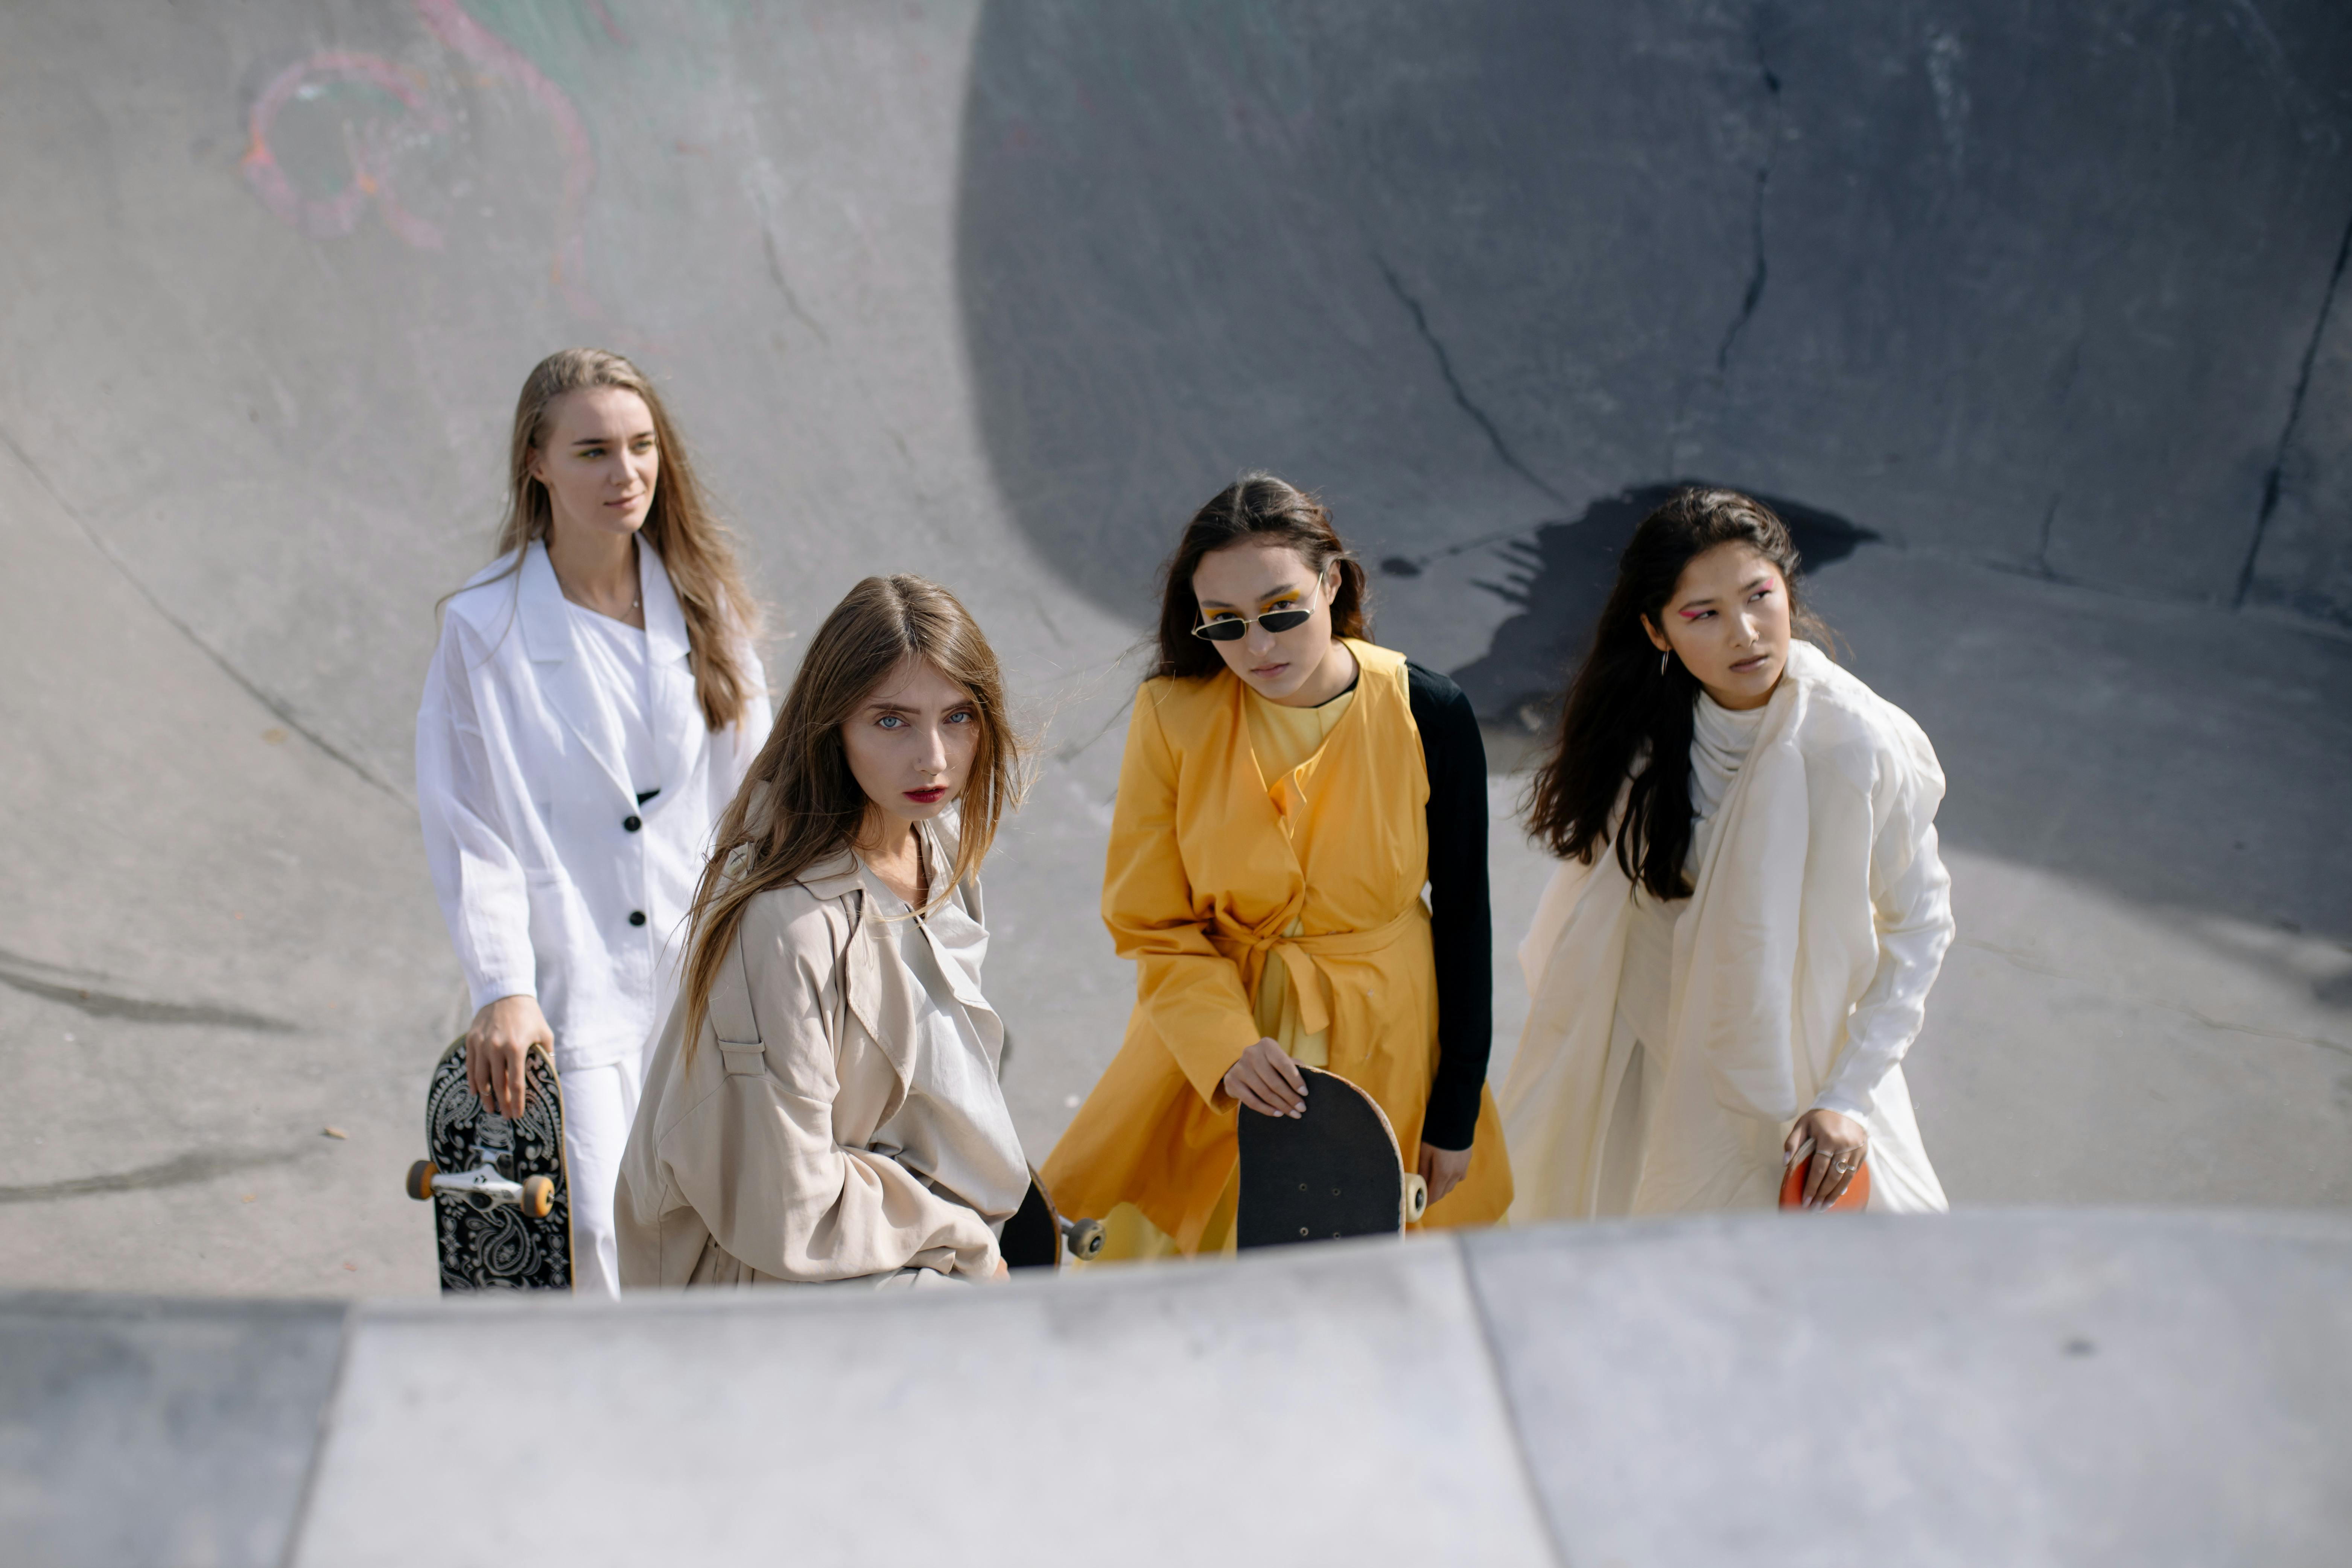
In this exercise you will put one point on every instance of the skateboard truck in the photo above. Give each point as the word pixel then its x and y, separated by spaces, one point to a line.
pixel 535 1195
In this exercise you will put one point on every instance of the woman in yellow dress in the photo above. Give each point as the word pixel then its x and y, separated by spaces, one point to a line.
pixel 1288 792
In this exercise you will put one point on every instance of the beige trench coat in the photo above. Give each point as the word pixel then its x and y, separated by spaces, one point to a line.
pixel 749 1161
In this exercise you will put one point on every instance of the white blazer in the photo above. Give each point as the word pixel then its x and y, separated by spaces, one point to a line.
pixel 554 880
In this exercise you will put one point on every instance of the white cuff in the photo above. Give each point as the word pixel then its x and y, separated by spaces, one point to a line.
pixel 496 987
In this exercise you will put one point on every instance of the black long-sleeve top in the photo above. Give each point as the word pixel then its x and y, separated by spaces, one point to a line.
pixel 1460 912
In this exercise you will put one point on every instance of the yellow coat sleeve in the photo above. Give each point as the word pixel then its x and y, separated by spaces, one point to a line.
pixel 1190 993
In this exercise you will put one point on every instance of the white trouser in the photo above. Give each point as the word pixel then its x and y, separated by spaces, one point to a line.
pixel 599 1104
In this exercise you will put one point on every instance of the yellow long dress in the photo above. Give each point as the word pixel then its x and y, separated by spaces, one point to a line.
pixel 1265 873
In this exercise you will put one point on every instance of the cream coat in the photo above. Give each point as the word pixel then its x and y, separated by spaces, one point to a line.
pixel 1819 915
pixel 523 787
pixel 749 1163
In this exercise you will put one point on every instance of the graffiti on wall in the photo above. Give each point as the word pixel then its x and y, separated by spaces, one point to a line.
pixel 395 131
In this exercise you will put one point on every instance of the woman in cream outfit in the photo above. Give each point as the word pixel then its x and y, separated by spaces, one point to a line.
pixel 590 710
pixel 1737 949
pixel 823 1106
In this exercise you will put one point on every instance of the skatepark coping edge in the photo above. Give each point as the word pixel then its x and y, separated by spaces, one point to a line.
pixel 2014 1387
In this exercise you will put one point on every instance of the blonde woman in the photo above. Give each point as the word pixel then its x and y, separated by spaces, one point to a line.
pixel 823 1106
pixel 590 710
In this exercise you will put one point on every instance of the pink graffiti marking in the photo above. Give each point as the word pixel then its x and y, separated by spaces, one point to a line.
pixel 371 151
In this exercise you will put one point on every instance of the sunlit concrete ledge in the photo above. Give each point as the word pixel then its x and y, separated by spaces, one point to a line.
pixel 1995 1387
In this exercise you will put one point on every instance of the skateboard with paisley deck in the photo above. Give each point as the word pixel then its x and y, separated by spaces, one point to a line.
pixel 501 1202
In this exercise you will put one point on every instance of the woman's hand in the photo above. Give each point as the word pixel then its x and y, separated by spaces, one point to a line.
pixel 1838 1147
pixel 1267 1081
pixel 1442 1169
pixel 498 1040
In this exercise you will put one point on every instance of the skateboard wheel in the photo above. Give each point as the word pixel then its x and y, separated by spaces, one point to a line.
pixel 1416 1198
pixel 538 1196
pixel 420 1179
pixel 1086 1240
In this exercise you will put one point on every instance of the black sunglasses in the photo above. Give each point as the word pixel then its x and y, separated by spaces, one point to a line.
pixel 1232 628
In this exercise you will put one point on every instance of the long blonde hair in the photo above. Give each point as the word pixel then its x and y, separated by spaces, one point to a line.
pixel 800 805
pixel 680 525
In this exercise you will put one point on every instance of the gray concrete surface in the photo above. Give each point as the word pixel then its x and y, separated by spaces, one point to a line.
pixel 137 1430
pixel 998 292
pixel 2020 1388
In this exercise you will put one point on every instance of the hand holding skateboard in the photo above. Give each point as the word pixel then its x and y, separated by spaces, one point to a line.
pixel 1267 1081
pixel 1442 1169
pixel 497 1041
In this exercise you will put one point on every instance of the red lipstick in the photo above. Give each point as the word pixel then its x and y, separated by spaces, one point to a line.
pixel 928 797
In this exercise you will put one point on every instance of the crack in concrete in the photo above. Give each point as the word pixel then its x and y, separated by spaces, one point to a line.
pixel 284 714
pixel 72 987
pixel 1462 399
pixel 1760 269
pixel 783 287
pixel 2049 523
pixel 2272 479
pixel 181 1171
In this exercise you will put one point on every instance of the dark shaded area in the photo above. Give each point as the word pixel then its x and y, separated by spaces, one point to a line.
pixel 181 1170
pixel 85 992
pixel 1560 582
pixel 1030 1238
pixel 159 1431
pixel 2034 286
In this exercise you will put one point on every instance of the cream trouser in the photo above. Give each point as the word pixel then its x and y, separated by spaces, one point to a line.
pixel 599 1104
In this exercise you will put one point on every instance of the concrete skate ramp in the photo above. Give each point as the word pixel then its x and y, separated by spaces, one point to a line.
pixel 998 291
pixel 2044 286
pixel 2016 1389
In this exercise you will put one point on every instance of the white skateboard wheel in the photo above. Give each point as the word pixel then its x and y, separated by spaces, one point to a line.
pixel 1086 1239
pixel 1416 1198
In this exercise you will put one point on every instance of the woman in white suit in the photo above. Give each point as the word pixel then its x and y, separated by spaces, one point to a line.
pixel 592 706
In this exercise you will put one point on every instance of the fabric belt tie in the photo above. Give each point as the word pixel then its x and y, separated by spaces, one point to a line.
pixel 1299 957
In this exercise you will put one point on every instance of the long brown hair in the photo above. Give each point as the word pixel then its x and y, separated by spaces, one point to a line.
pixel 719 611
pixel 1256 508
pixel 800 805
pixel 1623 711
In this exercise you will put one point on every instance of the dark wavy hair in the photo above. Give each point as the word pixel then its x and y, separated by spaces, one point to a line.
pixel 1624 713
pixel 1256 508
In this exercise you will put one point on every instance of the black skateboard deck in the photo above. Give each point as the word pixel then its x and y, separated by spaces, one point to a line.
pixel 1038 1236
pixel 1334 1172
pixel 502 1201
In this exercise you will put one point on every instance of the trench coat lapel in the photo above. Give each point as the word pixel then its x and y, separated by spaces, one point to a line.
pixel 677 714
pixel 874 985
pixel 562 675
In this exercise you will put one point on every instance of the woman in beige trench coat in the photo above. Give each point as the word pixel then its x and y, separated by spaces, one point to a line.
pixel 822 1104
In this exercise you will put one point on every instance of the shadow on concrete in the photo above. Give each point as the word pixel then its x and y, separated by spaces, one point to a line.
pixel 1975 270
pixel 1560 581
